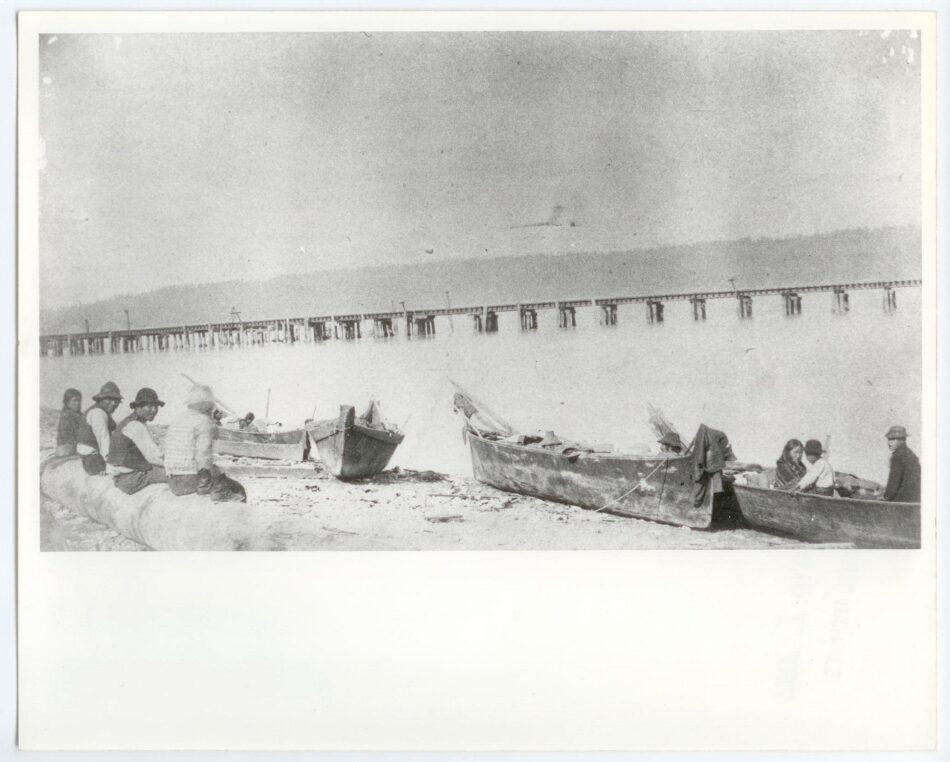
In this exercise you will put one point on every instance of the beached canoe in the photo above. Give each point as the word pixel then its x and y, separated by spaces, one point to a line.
pixel 153 517
pixel 655 487
pixel 279 445
pixel 814 518
pixel 352 447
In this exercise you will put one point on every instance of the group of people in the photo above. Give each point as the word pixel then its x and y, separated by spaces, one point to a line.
pixel 128 453
pixel 818 477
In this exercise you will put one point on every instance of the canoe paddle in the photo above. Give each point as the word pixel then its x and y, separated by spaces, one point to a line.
pixel 218 402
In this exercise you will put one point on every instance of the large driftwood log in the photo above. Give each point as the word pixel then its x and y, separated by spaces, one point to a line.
pixel 154 516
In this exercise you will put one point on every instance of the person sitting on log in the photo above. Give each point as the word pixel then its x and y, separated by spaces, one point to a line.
pixel 189 453
pixel 72 425
pixel 95 444
pixel 135 459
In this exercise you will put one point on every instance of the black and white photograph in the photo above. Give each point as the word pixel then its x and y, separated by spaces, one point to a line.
pixel 480 291
pixel 635 312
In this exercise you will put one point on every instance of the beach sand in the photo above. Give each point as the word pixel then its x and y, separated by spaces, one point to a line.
pixel 404 510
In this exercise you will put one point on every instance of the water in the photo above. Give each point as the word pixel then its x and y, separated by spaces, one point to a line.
pixel 817 375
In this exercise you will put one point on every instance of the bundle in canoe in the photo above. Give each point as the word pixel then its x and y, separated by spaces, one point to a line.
pixel 815 518
pixel 669 488
pixel 278 445
pixel 354 447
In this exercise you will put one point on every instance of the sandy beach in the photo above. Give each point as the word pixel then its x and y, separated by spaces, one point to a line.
pixel 403 509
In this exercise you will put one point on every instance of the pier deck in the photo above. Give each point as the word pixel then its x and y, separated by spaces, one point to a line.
pixel 421 321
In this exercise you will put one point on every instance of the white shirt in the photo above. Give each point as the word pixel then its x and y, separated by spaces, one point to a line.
pixel 819 474
pixel 98 420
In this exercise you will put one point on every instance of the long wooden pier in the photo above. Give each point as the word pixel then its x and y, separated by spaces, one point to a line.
pixel 421 322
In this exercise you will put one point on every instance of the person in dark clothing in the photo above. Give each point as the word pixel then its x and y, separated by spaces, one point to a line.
pixel 94 448
pixel 789 468
pixel 72 424
pixel 903 481
pixel 135 459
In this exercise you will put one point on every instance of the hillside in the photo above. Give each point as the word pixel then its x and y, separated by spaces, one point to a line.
pixel 852 255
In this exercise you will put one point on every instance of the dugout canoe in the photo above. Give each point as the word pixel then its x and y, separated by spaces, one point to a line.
pixel 654 487
pixel 153 516
pixel 815 518
pixel 279 445
pixel 354 447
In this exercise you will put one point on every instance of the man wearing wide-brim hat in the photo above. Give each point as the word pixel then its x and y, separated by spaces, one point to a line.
pixel 95 449
pixel 135 459
pixel 903 479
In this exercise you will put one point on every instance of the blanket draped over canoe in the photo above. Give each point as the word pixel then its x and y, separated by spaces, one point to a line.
pixel 711 450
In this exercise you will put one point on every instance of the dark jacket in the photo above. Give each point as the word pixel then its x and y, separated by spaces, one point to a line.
pixel 710 451
pixel 72 429
pixel 903 481
pixel 124 452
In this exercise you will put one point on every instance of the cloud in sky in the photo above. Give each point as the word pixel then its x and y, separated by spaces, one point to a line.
pixel 233 155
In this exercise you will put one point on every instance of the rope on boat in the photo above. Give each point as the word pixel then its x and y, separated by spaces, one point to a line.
pixel 634 488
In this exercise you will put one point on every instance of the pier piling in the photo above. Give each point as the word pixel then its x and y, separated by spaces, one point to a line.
pixel 744 305
pixel 699 308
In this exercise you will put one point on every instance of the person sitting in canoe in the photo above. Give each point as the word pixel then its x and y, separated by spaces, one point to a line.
pixel 135 459
pixel 819 478
pixel 789 468
pixel 189 455
pixel 72 425
pixel 242 424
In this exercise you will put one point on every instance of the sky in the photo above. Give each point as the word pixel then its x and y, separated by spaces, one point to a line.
pixel 190 158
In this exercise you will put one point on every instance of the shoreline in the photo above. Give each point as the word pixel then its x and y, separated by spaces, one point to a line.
pixel 401 509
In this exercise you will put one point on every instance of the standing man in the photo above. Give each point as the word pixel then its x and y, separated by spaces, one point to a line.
pixel 903 480
pixel 189 453
pixel 95 449
pixel 135 459
pixel 819 478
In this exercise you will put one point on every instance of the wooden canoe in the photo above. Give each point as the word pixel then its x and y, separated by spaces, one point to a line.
pixel 351 447
pixel 658 488
pixel 815 518
pixel 655 487
pixel 279 445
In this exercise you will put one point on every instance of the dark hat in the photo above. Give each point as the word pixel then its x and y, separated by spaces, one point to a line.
pixel 146 396
pixel 896 432
pixel 813 447
pixel 671 439
pixel 109 391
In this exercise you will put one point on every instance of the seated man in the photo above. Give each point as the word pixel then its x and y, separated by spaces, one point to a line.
pixel 96 442
pixel 819 477
pixel 135 459
pixel 189 454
